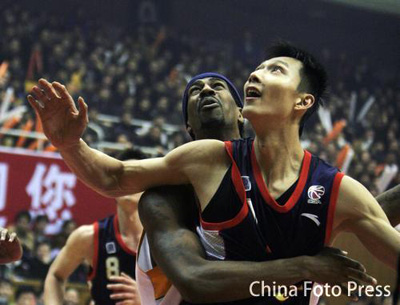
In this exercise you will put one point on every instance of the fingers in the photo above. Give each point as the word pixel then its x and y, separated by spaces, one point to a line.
pixel 354 264
pixel 40 96
pixel 48 89
pixel 121 287
pixel 359 276
pixel 333 250
pixel 122 279
pixel 61 90
pixel 122 296
pixel 83 110
pixel 12 237
pixel 3 234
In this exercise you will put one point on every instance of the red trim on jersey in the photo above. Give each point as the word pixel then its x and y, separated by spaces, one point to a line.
pixel 290 203
pixel 332 206
pixel 120 239
pixel 238 183
pixel 95 258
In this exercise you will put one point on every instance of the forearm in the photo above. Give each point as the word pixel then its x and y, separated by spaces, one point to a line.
pixel 97 170
pixel 214 281
pixel 180 256
pixel 53 290
pixel 390 203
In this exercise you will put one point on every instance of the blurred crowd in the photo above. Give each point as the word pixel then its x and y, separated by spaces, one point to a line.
pixel 133 80
pixel 39 251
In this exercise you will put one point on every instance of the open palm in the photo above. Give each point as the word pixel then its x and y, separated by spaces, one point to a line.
pixel 63 124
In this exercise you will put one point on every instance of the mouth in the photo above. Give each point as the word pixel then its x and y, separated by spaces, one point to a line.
pixel 208 103
pixel 252 93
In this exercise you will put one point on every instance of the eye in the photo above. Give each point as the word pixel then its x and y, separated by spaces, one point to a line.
pixel 218 86
pixel 194 90
pixel 277 68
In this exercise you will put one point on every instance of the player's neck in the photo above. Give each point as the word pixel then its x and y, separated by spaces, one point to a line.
pixel 129 224
pixel 279 152
pixel 222 134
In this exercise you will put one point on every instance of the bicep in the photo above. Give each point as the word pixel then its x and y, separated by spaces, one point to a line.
pixel 188 163
pixel 362 215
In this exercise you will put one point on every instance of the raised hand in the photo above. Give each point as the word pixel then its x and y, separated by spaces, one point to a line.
pixel 124 291
pixel 332 266
pixel 63 124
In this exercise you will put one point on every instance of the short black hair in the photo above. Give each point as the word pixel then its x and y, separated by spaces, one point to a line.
pixel 313 75
pixel 130 154
pixel 41 218
pixel 23 214
pixel 24 289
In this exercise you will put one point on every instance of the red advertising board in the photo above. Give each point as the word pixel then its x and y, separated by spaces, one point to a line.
pixel 43 184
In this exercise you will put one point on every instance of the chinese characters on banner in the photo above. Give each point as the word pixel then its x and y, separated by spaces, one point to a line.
pixel 43 184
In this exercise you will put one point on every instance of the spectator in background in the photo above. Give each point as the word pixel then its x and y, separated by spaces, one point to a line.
pixel 71 297
pixel 39 229
pixel 25 296
pixel 40 263
pixel 37 266
pixel 153 138
pixel 60 239
pixel 22 228
pixel 125 127
pixel 6 292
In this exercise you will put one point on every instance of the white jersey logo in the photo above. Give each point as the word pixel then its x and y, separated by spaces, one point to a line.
pixel 246 183
pixel 315 193
pixel 110 248
pixel 313 217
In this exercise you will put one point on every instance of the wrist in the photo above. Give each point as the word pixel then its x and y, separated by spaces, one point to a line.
pixel 70 146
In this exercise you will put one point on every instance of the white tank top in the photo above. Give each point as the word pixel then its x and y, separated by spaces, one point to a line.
pixel 154 287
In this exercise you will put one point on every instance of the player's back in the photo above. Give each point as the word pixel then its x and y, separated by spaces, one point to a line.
pixel 111 256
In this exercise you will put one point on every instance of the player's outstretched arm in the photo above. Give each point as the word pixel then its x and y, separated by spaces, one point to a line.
pixel 10 247
pixel 64 125
pixel 78 248
pixel 166 217
pixel 358 212
pixel 390 203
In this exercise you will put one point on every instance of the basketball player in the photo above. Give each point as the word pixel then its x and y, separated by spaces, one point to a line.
pixel 283 202
pixel 109 246
pixel 167 216
pixel 10 247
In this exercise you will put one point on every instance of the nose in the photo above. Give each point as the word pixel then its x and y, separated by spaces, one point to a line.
pixel 206 91
pixel 253 78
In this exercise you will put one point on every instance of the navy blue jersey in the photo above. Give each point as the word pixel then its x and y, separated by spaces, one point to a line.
pixel 111 257
pixel 253 226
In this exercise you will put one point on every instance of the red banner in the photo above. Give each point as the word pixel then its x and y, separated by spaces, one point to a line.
pixel 43 184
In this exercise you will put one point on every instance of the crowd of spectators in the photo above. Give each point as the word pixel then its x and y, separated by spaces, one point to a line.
pixel 133 81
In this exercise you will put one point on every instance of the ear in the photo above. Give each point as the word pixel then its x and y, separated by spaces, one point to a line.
pixel 305 102
pixel 240 115
pixel 190 131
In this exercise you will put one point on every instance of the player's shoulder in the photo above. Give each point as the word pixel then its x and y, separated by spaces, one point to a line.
pixel 205 145
pixel 355 197
pixel 82 234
